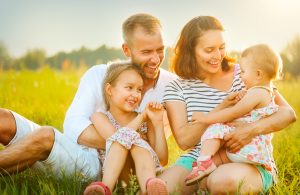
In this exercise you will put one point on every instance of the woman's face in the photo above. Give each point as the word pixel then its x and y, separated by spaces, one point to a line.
pixel 210 51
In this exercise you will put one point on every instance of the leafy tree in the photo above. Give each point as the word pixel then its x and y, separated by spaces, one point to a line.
pixel 5 59
pixel 291 57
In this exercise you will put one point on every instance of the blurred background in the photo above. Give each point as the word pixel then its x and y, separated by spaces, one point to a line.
pixel 65 34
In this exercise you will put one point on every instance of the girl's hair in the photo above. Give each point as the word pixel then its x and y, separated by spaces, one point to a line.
pixel 113 72
pixel 266 59
pixel 184 62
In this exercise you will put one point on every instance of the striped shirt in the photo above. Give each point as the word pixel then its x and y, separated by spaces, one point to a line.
pixel 199 97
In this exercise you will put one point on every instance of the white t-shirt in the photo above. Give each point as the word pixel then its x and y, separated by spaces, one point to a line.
pixel 89 99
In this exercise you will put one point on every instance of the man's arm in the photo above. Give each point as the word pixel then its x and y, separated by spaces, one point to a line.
pixel 276 122
pixel 88 98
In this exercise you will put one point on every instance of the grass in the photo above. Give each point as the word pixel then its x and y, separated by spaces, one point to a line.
pixel 44 96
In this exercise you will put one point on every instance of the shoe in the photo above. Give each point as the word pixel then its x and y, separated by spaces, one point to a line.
pixel 156 186
pixel 199 171
pixel 97 188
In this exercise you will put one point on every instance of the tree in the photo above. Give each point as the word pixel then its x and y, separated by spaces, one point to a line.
pixel 5 59
pixel 291 57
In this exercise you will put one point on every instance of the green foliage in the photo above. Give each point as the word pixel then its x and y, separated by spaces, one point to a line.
pixel 44 96
pixel 291 57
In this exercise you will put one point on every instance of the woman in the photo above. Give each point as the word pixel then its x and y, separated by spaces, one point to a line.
pixel 207 76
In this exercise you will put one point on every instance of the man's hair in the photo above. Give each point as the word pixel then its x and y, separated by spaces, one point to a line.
pixel 147 22
pixel 113 72
pixel 184 62
pixel 266 59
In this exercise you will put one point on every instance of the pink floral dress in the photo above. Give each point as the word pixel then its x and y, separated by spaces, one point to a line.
pixel 260 149
pixel 128 137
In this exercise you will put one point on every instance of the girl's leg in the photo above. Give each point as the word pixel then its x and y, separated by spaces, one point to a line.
pixel 113 164
pixel 144 164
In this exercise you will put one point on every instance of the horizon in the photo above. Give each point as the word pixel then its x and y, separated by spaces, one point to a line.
pixel 64 26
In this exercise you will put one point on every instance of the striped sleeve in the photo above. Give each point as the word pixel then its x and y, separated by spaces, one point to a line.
pixel 173 92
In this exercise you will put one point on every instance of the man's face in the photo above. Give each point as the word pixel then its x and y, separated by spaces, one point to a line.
pixel 146 50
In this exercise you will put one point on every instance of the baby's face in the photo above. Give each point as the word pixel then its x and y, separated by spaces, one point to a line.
pixel 248 71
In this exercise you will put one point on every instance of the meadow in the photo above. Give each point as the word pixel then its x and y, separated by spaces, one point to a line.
pixel 44 96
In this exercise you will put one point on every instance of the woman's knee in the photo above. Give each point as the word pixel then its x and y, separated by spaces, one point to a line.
pixel 222 184
pixel 7 126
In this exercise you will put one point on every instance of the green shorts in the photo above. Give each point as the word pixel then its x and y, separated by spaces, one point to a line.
pixel 266 177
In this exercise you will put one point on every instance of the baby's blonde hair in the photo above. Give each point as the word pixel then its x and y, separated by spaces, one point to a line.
pixel 266 59
pixel 113 72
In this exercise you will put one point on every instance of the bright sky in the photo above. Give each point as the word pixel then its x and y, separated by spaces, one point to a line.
pixel 64 25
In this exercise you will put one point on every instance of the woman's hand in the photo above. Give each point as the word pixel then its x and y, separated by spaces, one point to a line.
pixel 241 136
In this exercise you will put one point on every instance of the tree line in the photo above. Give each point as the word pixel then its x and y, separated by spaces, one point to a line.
pixel 37 58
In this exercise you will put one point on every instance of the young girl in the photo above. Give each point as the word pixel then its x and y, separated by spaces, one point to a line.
pixel 260 65
pixel 140 134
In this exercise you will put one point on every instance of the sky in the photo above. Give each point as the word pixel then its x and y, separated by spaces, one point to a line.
pixel 65 25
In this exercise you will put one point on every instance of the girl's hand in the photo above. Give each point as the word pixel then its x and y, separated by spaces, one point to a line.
pixel 154 111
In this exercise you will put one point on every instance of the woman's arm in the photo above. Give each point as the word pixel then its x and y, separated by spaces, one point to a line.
pixel 156 134
pixel 277 121
pixel 186 134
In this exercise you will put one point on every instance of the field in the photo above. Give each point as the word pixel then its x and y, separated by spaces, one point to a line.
pixel 44 96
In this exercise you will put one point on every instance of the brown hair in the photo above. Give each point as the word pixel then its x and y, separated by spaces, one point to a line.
pixel 184 61
pixel 266 59
pixel 113 72
pixel 147 22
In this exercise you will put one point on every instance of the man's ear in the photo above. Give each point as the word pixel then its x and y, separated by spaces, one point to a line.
pixel 126 50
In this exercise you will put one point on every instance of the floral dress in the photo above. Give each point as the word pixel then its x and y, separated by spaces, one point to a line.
pixel 128 137
pixel 260 149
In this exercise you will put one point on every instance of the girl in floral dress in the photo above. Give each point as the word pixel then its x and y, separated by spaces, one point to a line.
pixel 260 65
pixel 139 134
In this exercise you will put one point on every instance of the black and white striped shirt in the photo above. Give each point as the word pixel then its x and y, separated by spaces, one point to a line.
pixel 199 97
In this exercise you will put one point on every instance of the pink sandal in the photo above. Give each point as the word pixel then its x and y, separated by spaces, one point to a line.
pixel 156 186
pixel 97 188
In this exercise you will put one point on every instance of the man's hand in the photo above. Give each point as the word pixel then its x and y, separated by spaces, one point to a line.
pixel 241 136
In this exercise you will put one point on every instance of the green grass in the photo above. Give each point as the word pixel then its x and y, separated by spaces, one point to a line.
pixel 44 96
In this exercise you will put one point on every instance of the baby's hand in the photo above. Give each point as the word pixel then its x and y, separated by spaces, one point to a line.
pixel 198 116
pixel 232 99
pixel 154 111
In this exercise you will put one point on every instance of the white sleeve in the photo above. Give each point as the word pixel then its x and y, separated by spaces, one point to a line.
pixel 88 99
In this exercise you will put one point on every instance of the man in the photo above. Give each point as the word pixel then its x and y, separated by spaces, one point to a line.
pixel 76 150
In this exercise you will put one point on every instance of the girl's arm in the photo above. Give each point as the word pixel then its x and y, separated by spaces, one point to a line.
pixel 156 134
pixel 106 129
pixel 251 100
pixel 102 124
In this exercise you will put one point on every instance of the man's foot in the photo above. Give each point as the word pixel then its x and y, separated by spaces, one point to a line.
pixel 97 188
pixel 156 186
pixel 199 171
